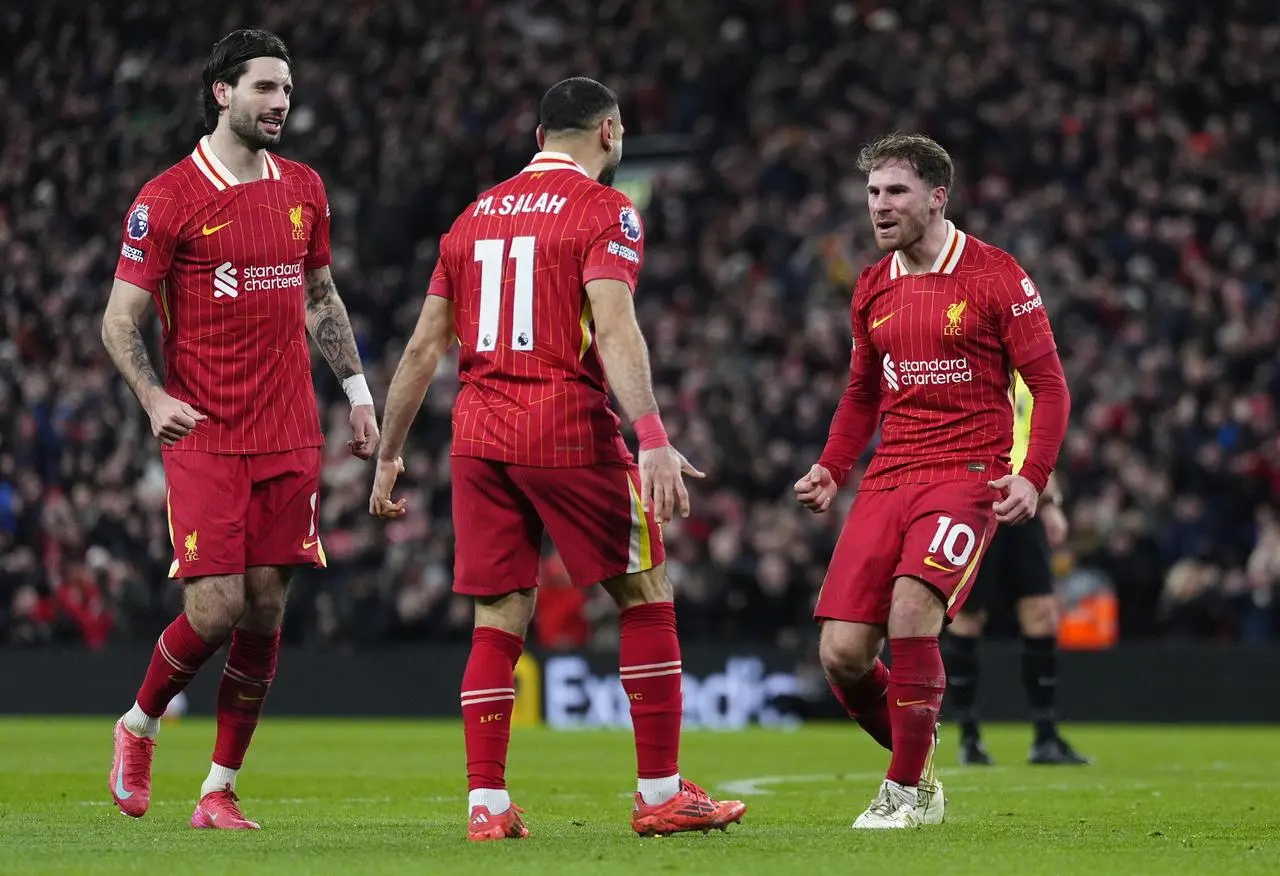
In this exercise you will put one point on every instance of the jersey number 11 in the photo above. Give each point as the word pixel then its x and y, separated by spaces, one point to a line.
pixel 492 256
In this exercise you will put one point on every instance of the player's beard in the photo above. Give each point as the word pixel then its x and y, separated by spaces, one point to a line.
pixel 245 126
pixel 910 230
pixel 610 170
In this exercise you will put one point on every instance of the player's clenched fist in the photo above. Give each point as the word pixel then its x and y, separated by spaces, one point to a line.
pixel 662 482
pixel 171 420
pixel 364 432
pixel 1019 501
pixel 816 490
pixel 384 481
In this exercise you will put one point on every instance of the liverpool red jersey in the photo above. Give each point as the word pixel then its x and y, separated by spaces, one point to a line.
pixel 942 347
pixel 515 264
pixel 225 262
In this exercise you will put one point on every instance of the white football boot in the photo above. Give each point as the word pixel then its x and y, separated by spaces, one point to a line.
pixel 894 808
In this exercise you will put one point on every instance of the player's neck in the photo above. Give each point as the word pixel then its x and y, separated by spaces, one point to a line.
pixel 244 163
pixel 592 164
pixel 920 257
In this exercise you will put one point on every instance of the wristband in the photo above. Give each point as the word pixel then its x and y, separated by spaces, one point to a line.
pixel 650 431
pixel 357 390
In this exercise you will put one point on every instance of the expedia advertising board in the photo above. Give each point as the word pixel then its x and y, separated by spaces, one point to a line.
pixel 724 687
pixel 722 690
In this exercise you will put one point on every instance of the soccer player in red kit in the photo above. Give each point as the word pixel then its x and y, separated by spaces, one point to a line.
pixel 939 324
pixel 231 244
pixel 535 279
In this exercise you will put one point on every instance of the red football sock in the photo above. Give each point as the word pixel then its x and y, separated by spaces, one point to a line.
pixel 649 665
pixel 250 669
pixel 915 697
pixel 178 656
pixel 866 702
pixel 488 695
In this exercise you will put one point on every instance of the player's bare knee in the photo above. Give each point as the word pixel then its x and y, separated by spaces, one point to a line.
pixel 266 592
pixel 511 612
pixel 640 588
pixel 917 609
pixel 1038 616
pixel 848 651
pixel 214 605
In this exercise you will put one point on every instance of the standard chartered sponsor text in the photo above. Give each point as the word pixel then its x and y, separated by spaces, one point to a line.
pixel 263 278
pixel 935 372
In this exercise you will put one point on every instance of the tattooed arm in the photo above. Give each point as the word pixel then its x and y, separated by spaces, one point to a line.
pixel 330 326
pixel 171 419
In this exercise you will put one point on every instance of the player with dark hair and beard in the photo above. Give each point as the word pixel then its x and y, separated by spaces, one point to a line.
pixel 535 281
pixel 231 246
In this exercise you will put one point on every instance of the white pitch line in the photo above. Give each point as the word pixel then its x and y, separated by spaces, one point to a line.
pixel 748 787
pixel 960 782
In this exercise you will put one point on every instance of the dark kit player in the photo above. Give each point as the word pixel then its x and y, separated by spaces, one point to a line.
pixel 231 245
pixel 1017 566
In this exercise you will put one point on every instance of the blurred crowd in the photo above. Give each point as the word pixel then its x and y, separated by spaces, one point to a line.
pixel 1127 153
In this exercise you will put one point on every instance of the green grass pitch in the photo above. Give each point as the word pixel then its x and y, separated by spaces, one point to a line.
pixel 388 797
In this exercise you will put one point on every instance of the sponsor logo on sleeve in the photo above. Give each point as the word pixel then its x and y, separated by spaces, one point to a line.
pixel 132 253
pixel 630 223
pixel 1035 302
pixel 624 251
pixel 139 222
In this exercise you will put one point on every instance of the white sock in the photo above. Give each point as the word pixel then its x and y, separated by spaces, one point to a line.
pixel 219 778
pixel 139 723
pixel 497 799
pixel 903 792
pixel 657 791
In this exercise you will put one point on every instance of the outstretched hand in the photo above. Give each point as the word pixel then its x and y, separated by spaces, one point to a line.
pixel 662 489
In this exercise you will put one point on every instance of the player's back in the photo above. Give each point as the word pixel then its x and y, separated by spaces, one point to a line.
pixel 945 343
pixel 515 263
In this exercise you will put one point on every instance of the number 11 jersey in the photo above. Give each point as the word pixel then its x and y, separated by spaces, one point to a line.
pixel 515 264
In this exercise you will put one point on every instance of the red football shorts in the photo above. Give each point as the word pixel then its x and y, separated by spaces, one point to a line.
pixel 934 532
pixel 592 514
pixel 229 511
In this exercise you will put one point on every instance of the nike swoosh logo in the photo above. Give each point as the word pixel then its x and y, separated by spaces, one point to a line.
pixel 934 564
pixel 308 545
pixel 213 816
pixel 882 320
pixel 206 230
pixel 902 704
pixel 121 793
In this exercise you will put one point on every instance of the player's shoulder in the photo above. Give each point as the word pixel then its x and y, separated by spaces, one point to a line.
pixel 980 256
pixel 875 275
pixel 175 182
pixel 296 172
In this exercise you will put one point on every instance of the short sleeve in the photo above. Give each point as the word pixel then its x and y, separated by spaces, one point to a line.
pixel 617 250
pixel 318 249
pixel 152 229
pixel 1020 316
pixel 440 284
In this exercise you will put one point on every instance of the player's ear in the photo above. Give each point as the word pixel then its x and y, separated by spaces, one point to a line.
pixel 541 136
pixel 939 199
pixel 221 95
pixel 608 133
